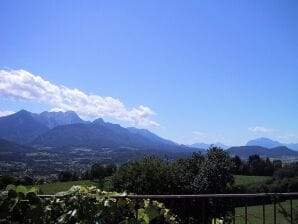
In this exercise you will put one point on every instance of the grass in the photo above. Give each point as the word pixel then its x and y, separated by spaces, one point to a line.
pixel 53 188
pixel 247 180
pixel 254 213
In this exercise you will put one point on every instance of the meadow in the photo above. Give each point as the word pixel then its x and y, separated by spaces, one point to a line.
pixel 247 180
pixel 255 213
pixel 53 188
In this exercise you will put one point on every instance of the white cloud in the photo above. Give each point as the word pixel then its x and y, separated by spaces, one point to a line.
pixel 21 84
pixel 5 113
pixel 260 129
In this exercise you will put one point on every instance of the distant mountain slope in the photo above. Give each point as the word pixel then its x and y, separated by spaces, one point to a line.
pixel 149 135
pixel 293 146
pixel 24 126
pixel 207 146
pixel 269 143
pixel 277 152
pixel 200 145
pixel 100 134
pixel 67 129
pixel 264 142
pixel 10 151
pixel 21 127
pixel 7 146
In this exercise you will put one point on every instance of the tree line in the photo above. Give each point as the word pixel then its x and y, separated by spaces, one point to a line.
pixel 255 165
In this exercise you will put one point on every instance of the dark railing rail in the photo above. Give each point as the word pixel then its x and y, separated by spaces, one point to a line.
pixel 191 196
pixel 274 199
pixel 194 196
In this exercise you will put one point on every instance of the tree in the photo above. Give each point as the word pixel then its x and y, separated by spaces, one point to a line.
pixel 148 176
pixel 98 171
pixel 269 168
pixel 110 169
pixel 198 174
pixel 65 176
pixel 185 170
pixel 27 180
pixel 256 165
pixel 277 164
pixel 238 166
pixel 6 179
pixel 215 175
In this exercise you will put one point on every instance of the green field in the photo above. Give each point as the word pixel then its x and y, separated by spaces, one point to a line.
pixel 247 180
pixel 254 213
pixel 53 188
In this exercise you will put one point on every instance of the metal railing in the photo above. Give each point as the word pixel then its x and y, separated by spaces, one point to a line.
pixel 274 198
pixel 243 200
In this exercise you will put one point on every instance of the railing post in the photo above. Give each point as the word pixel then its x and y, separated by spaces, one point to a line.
pixel 204 210
pixel 137 210
pixel 291 211
pixel 245 213
pixel 264 213
pixel 274 206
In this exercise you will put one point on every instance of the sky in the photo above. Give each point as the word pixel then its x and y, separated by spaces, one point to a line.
pixel 190 71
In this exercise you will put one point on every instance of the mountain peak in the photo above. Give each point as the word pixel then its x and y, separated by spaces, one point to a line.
pixel 56 118
pixel 22 112
pixel 264 142
pixel 99 121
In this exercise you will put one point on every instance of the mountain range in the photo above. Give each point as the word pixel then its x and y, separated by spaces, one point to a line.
pixel 269 143
pixel 264 147
pixel 276 152
pixel 64 130
pixel 67 129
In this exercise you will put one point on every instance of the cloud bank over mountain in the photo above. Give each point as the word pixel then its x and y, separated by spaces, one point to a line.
pixel 23 85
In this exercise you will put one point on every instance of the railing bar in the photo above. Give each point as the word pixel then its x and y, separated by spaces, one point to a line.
pixel 234 215
pixel 135 196
pixel 206 195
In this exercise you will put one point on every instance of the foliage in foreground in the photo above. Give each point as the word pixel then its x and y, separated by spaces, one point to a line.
pixel 196 175
pixel 79 205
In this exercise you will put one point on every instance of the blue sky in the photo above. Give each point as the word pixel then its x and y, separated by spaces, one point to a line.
pixel 204 71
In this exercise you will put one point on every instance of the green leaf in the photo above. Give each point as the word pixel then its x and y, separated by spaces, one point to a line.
pixel 12 193
pixel 33 189
pixel 21 189
pixel 142 216
pixel 10 187
pixel 151 212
